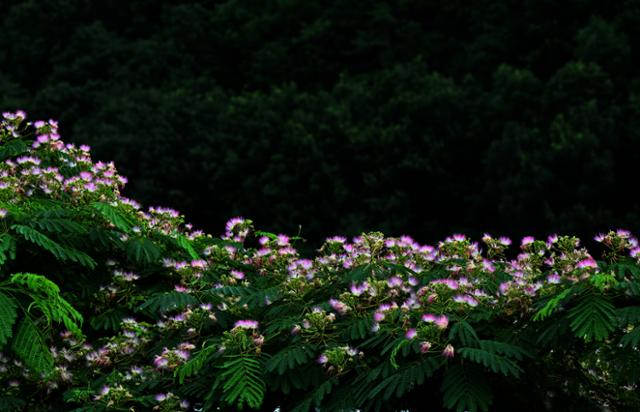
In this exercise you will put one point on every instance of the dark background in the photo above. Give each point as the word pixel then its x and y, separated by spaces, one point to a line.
pixel 417 117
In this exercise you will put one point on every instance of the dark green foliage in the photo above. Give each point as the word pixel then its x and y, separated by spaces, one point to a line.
pixel 290 358
pixel 29 344
pixel 167 301
pixel 518 113
pixel 316 396
pixel 13 148
pixel 109 320
pixel 8 315
pixel 405 379
pixel 59 251
pixel 465 388
pixel 142 250
pixel 465 333
pixel 593 317
pixel 10 404
pixel 114 216
pixel 240 380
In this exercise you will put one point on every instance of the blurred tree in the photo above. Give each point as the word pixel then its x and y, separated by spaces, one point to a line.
pixel 405 116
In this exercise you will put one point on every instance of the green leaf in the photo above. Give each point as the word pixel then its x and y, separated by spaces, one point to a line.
pixel 108 320
pixel 59 251
pixel 629 314
pixel 8 315
pixel 185 243
pixel 593 317
pixel 46 297
pixel 496 363
pixel 30 346
pixel 142 250
pixel 632 338
pixel 56 225
pixel 115 216
pixel 193 365
pixel 290 358
pixel 167 301
pixel 465 333
pixel 466 389
pixel 552 305
pixel 11 404
pixel 7 247
pixel 13 148
pixel 241 382
pixel 406 379
pixel 314 399
pixel 358 328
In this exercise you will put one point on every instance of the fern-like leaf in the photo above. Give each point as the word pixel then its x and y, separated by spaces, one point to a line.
pixel 57 225
pixel 196 363
pixel 11 404
pixel 116 217
pixel 108 320
pixel 46 297
pixel 632 338
pixel 496 363
pixel 593 317
pixel 167 301
pixel 7 248
pixel 314 399
pixel 142 250
pixel 405 379
pixel 290 358
pixel 552 305
pixel 59 251
pixel 12 148
pixel 185 243
pixel 8 315
pixel 30 346
pixel 465 389
pixel 465 333
pixel 241 381
pixel 629 314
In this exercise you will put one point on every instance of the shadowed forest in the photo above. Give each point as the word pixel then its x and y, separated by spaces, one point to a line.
pixel 516 117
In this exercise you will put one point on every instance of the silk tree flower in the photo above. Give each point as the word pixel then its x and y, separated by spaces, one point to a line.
pixel 448 351
pixel 411 334
pixel 588 263
pixel 237 274
pixel 553 278
pixel 466 299
pixel 3 213
pixel 442 321
pixel 339 306
pixel 425 346
pixel 246 324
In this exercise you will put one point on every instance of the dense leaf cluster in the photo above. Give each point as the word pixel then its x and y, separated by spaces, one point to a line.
pixel 106 306
pixel 515 117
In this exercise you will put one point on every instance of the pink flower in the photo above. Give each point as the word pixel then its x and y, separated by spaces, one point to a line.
pixel 553 278
pixel 237 274
pixel 425 346
pixel 587 263
pixel 338 306
pixel 448 351
pixel 442 322
pixel 411 333
pixel 246 324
